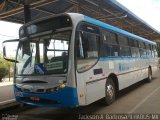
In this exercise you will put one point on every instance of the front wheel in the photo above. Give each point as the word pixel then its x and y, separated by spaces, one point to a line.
pixel 110 92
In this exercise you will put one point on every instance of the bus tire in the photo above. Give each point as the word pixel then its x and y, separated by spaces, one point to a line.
pixel 149 78
pixel 110 92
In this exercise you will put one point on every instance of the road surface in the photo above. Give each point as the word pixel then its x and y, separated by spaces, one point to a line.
pixel 6 93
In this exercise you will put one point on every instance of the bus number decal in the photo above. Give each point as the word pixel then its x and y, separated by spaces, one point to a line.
pixel 111 65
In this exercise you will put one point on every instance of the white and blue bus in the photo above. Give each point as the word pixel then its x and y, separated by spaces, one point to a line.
pixel 71 60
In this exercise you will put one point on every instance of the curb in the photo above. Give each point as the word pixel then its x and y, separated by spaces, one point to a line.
pixel 5 84
pixel 7 104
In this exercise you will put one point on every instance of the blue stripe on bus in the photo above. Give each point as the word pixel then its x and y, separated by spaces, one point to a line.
pixel 115 29
pixel 119 58
pixel 66 97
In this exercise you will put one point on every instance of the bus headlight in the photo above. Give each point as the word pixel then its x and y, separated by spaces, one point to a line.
pixel 62 85
pixel 18 94
pixel 52 89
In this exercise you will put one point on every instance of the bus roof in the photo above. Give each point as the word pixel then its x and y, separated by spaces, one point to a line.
pixel 115 29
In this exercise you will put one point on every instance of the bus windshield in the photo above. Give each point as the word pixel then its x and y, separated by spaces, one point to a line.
pixel 44 55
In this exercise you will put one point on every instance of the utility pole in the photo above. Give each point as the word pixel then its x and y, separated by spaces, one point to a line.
pixel 27 12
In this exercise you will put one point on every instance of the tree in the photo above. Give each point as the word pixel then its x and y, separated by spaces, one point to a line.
pixel 158 50
pixel 1 55
pixel 4 67
pixel 158 47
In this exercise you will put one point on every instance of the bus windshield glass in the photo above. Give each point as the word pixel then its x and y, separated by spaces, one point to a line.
pixel 44 55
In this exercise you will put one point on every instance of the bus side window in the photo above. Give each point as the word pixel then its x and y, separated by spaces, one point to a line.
pixel 124 46
pixel 87 46
pixel 110 44
pixel 79 52
pixel 135 52
pixel 134 47
pixel 148 51
pixel 142 49
pixel 123 40
pixel 152 50
pixel 155 51
pixel 125 51
pixel 133 43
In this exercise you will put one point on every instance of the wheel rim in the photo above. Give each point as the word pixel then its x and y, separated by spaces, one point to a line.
pixel 110 91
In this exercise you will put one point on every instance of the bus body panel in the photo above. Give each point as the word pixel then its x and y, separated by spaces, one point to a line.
pixel 128 70
pixel 94 84
pixel 79 84
pixel 76 18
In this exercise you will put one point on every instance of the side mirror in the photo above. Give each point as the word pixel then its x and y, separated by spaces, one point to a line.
pixel 9 49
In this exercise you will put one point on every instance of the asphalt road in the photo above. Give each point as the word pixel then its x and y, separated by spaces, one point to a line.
pixel 6 93
pixel 143 98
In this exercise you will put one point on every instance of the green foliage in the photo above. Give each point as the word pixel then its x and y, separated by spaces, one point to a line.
pixel 158 46
pixel 4 67
pixel 1 55
pixel 158 40
pixel 158 50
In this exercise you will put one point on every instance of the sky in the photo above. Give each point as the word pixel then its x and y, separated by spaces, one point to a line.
pixel 8 31
pixel 148 10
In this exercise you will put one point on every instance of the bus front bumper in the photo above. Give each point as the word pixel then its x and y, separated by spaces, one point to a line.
pixel 66 97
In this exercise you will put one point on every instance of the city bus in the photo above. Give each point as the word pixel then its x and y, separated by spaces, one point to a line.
pixel 70 60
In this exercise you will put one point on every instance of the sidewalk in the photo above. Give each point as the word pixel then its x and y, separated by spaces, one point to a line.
pixel 7 100
pixel 6 81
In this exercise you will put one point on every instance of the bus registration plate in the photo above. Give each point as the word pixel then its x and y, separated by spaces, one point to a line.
pixel 35 98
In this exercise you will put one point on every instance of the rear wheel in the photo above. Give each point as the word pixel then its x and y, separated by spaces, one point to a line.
pixel 149 78
pixel 110 91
